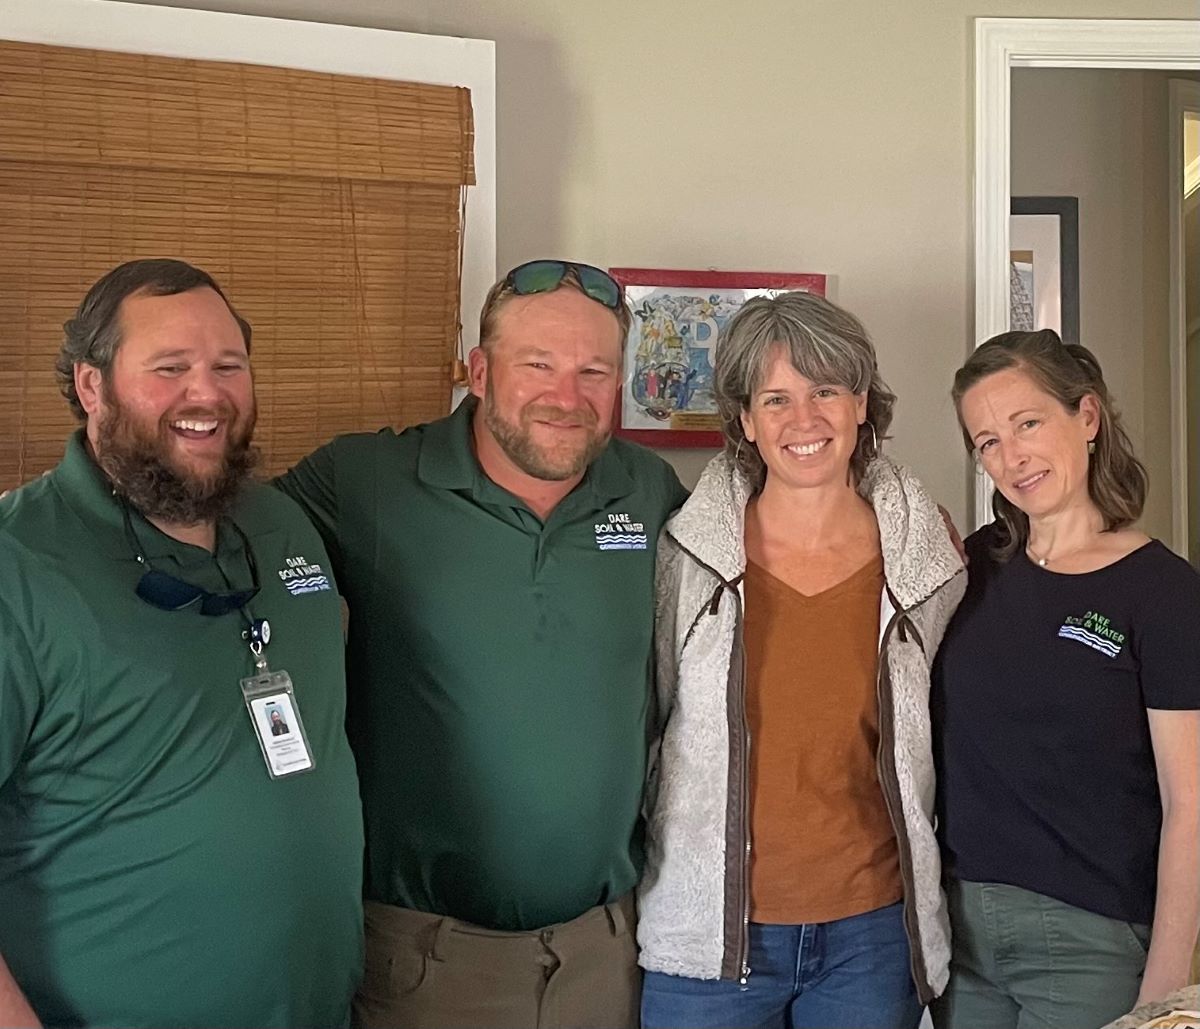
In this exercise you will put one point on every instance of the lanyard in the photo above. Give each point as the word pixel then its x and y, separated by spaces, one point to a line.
pixel 258 634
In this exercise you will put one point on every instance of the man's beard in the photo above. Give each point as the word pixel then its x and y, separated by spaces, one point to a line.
pixel 549 464
pixel 144 471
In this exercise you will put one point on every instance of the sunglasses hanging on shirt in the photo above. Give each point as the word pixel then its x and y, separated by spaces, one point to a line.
pixel 170 593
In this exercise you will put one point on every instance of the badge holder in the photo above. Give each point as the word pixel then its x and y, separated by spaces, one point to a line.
pixel 274 711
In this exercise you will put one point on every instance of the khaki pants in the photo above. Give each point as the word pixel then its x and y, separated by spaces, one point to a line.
pixel 431 972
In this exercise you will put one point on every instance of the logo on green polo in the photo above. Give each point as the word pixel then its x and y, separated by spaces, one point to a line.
pixel 620 532
pixel 1093 630
pixel 299 576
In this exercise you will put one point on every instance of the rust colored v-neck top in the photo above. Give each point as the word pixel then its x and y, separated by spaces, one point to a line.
pixel 823 846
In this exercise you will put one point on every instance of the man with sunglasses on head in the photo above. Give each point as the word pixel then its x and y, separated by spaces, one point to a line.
pixel 165 860
pixel 499 569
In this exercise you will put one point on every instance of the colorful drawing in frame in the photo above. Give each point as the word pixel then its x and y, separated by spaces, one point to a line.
pixel 666 397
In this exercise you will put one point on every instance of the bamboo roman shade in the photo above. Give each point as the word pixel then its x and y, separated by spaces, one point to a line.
pixel 328 207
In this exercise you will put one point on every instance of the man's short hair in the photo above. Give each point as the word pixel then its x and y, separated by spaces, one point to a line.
pixel 93 335
pixel 503 291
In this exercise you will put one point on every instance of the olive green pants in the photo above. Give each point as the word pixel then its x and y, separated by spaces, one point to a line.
pixel 1021 960
pixel 430 972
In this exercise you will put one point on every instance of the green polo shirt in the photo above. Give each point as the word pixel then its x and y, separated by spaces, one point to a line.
pixel 499 669
pixel 151 872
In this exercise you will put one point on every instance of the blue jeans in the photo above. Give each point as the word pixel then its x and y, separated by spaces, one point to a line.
pixel 854 972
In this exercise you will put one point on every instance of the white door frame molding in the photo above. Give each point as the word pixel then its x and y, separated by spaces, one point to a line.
pixel 1183 95
pixel 336 49
pixel 1002 44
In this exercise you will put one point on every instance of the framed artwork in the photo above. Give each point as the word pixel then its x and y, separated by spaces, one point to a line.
pixel 666 397
pixel 1043 264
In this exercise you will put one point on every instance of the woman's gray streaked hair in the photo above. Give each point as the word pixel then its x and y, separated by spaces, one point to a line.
pixel 824 343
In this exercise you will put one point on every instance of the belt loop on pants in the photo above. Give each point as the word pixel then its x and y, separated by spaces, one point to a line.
pixel 440 938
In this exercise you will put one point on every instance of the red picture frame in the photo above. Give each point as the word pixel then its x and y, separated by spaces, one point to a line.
pixel 665 399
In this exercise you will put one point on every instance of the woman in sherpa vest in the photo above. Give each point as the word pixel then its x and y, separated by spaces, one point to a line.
pixel 1067 704
pixel 792 871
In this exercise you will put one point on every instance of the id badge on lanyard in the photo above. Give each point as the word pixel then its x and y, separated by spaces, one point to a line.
pixel 274 711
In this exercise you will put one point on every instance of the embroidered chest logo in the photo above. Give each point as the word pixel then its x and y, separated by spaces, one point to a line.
pixel 1093 630
pixel 620 532
pixel 301 577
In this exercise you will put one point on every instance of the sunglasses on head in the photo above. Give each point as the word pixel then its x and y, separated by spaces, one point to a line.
pixel 546 276
pixel 169 593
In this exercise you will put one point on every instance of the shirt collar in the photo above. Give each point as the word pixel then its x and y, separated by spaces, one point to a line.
pixel 447 457
pixel 90 494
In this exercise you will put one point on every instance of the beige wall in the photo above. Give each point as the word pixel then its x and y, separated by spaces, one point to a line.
pixel 831 137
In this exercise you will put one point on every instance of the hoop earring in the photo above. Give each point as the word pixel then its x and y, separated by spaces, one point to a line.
pixel 737 453
pixel 874 439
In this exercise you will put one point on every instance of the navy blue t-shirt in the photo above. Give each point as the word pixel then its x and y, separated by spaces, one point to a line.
pixel 1046 774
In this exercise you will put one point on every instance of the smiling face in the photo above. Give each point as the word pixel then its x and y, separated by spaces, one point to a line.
pixel 548 383
pixel 1034 449
pixel 805 431
pixel 171 421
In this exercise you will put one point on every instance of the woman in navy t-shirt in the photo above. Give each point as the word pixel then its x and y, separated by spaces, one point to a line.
pixel 1066 711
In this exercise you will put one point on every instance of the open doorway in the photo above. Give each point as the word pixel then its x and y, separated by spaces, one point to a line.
pixel 1005 44
pixel 1098 138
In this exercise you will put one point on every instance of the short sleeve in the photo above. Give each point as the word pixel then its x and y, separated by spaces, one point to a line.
pixel 20 693
pixel 1167 637
pixel 313 485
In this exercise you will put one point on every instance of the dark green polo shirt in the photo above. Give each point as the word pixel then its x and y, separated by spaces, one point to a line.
pixel 499 669
pixel 151 872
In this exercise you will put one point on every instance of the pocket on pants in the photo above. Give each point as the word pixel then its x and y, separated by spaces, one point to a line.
pixel 1139 937
pixel 395 964
pixel 1074 936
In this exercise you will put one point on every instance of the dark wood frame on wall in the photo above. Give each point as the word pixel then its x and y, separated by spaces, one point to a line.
pixel 1067 211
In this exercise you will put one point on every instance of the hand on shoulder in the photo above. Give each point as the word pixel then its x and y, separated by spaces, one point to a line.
pixel 955 537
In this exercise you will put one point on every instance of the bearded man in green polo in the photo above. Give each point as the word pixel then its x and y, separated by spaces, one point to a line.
pixel 165 858
pixel 499 568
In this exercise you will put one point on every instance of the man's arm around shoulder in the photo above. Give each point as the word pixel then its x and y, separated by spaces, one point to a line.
pixel 312 483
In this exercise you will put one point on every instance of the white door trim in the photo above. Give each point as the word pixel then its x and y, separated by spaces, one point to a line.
pixel 1182 95
pixel 1005 43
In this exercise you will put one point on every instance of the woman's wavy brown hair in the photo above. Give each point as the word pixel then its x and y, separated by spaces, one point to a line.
pixel 1117 481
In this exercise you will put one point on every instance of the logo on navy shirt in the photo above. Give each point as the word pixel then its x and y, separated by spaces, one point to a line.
pixel 1093 630
pixel 620 532
pixel 302 577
